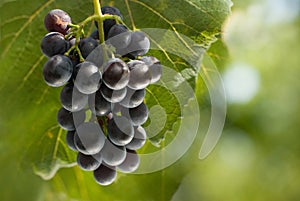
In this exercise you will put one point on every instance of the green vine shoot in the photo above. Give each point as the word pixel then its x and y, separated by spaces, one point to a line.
pixel 77 30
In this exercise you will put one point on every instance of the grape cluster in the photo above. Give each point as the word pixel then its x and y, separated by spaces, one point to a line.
pixel 103 90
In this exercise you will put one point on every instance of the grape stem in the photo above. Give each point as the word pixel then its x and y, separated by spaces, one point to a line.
pixel 81 59
pixel 70 50
pixel 98 13
pixel 78 30
pixel 113 17
pixel 73 25
pixel 99 17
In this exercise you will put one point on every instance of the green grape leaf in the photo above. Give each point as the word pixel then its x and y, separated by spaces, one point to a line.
pixel 54 151
pixel 28 125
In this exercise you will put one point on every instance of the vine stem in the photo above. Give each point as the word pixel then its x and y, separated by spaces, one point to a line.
pixel 97 12
pixel 78 30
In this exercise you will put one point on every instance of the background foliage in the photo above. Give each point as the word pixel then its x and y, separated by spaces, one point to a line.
pixel 257 157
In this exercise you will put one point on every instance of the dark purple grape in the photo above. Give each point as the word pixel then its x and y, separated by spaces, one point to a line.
pixel 54 43
pixel 112 96
pixel 89 162
pixel 87 45
pixel 75 61
pixel 71 99
pixel 117 109
pixel 140 76
pixel 57 20
pixel 139 138
pixel 139 114
pixel 112 154
pixel 119 36
pixel 98 105
pixel 105 174
pixel 88 78
pixel 57 70
pixel 98 56
pixel 120 130
pixel 107 24
pixel 70 140
pixel 89 138
pixel 95 35
pixel 67 120
pixel 139 44
pixel 131 162
pixel 155 67
pixel 72 41
pixel 116 74
pixel 133 98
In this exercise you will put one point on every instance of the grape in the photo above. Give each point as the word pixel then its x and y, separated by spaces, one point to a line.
pixel 87 45
pixel 111 89
pixel 112 154
pixel 89 162
pixel 113 96
pixel 139 44
pixel 75 61
pixel 107 24
pixel 116 74
pixel 57 70
pixel 105 174
pixel 139 114
pixel 133 98
pixel 54 43
pixel 120 130
pixel 155 67
pixel 98 56
pixel 98 105
pixel 131 162
pixel 67 120
pixel 119 36
pixel 72 41
pixel 72 99
pixel 57 20
pixel 88 78
pixel 117 109
pixel 140 76
pixel 89 138
pixel 95 35
pixel 139 138
pixel 70 140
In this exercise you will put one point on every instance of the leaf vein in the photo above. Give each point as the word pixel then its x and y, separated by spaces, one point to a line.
pixel 25 25
pixel 36 64
pixel 56 144
pixel 167 21
pixel 14 19
pixel 202 10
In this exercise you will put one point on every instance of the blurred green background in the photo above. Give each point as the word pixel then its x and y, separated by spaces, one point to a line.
pixel 257 157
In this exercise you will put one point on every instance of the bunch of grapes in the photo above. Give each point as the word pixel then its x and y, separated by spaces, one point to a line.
pixel 103 90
